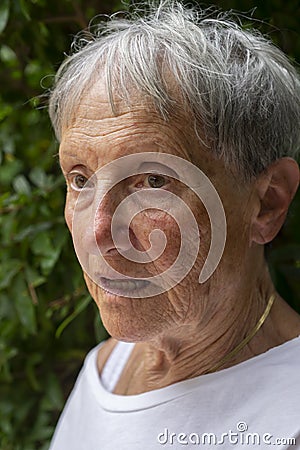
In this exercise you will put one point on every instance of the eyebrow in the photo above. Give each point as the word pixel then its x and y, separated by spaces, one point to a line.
pixel 68 153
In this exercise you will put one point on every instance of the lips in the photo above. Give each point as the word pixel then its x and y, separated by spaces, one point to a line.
pixel 123 286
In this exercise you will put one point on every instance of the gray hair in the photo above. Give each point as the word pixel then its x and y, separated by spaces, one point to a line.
pixel 241 91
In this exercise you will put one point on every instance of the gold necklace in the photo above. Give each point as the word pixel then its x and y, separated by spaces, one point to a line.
pixel 248 338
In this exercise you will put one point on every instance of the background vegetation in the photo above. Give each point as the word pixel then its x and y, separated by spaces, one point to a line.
pixel 47 319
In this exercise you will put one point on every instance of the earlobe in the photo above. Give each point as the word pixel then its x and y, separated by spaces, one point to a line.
pixel 275 189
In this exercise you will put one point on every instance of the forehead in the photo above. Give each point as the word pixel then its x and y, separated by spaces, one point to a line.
pixel 133 125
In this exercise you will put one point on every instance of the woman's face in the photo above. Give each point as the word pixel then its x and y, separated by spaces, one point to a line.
pixel 91 148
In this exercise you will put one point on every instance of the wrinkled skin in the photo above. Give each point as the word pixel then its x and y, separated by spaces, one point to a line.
pixel 181 333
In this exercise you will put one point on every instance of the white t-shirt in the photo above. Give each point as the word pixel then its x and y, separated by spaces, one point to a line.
pixel 254 404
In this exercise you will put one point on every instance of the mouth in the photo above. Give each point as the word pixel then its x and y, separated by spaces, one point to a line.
pixel 123 287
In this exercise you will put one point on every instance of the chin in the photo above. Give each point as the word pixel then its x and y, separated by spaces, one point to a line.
pixel 131 319
pixel 123 329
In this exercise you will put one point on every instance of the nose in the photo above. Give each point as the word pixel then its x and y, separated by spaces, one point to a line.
pixel 98 233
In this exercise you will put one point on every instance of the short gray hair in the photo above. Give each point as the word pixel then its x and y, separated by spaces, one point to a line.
pixel 242 92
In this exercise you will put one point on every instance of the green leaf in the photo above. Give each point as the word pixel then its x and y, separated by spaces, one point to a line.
pixel 80 307
pixel 7 54
pixel 5 111
pixel 38 177
pixel 31 364
pixel 33 277
pixel 23 304
pixel 32 230
pixel 9 170
pixel 49 261
pixel 4 14
pixel 24 9
pixel 21 185
pixel 6 354
pixel 53 397
pixel 8 270
pixel 41 244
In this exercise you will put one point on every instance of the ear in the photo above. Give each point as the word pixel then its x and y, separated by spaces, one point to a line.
pixel 275 189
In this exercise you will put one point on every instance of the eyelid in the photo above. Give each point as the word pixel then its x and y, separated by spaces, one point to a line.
pixel 158 169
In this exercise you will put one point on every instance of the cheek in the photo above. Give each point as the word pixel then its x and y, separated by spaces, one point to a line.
pixel 69 211
pixel 238 230
pixel 184 255
pixel 158 231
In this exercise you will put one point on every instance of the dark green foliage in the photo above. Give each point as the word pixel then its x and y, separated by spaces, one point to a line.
pixel 47 319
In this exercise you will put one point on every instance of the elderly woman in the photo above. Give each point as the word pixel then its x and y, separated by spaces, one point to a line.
pixel 177 135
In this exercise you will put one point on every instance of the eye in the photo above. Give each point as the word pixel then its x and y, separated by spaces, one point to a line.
pixel 156 181
pixel 78 181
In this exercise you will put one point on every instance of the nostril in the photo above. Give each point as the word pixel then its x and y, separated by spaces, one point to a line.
pixel 112 252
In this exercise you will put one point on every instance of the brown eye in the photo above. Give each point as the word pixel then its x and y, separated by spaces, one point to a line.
pixel 156 181
pixel 79 181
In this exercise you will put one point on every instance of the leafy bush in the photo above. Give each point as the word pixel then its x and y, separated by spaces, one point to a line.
pixel 47 319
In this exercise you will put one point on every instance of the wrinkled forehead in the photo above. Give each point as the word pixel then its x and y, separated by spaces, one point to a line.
pixel 97 102
pixel 130 120
pixel 116 94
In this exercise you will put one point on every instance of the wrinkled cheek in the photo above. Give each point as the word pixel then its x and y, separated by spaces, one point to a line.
pixel 69 212
pixel 158 234
pixel 96 292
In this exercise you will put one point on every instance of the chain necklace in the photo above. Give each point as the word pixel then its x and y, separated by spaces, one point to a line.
pixel 247 339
